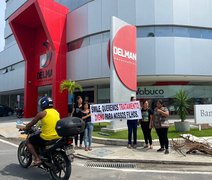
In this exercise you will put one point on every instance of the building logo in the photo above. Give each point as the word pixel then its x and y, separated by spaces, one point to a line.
pixel 45 60
pixel 146 92
pixel 124 56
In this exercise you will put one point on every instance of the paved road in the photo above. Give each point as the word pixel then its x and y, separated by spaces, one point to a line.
pixel 10 170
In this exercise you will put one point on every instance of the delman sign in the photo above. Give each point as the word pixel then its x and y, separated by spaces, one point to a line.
pixel 124 56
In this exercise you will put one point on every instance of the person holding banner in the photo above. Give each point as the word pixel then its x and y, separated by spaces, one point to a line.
pixel 77 112
pixel 86 116
pixel 146 124
pixel 132 129
pixel 161 114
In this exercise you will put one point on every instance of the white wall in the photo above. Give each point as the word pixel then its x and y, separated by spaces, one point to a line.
pixel 88 63
pixel 10 56
pixel 174 56
pixel 168 56
pixel 95 16
pixel 156 55
pixel 12 6
pixel 12 80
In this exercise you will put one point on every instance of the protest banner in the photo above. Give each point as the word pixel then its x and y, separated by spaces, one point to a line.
pixel 111 111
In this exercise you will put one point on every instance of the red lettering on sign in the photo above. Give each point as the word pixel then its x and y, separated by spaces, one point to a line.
pixel 99 117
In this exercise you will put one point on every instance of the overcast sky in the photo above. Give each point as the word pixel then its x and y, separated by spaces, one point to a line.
pixel 2 23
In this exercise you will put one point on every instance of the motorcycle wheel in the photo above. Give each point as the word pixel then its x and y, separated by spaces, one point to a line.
pixel 24 156
pixel 62 170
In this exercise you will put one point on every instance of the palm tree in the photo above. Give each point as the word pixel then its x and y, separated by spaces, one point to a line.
pixel 70 86
pixel 182 103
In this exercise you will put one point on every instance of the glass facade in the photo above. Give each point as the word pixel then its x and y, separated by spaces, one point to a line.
pixel 73 4
pixel 174 31
pixel 198 95
pixel 89 40
pixel 143 32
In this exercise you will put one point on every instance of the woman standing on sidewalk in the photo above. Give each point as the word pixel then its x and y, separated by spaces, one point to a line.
pixel 160 119
pixel 132 128
pixel 77 112
pixel 86 116
pixel 146 124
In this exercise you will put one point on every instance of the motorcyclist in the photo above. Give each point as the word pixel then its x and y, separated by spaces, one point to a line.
pixel 49 117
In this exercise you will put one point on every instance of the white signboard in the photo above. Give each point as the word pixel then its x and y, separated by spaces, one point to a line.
pixel 108 112
pixel 203 114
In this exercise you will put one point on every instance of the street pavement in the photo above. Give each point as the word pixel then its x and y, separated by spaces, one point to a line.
pixel 116 150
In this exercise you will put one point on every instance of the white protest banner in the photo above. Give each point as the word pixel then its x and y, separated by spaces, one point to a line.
pixel 108 112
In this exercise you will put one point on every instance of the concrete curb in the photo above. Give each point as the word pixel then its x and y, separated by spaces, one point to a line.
pixel 80 156
pixel 123 142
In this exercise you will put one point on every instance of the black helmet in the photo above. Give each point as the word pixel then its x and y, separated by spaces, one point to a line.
pixel 46 102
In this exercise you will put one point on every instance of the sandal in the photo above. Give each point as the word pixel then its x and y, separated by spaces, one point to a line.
pixel 36 163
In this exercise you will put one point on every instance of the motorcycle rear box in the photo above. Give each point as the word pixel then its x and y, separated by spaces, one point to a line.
pixel 70 126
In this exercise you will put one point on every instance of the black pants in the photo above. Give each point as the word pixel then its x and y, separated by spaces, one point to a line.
pixel 132 128
pixel 81 138
pixel 163 137
pixel 36 140
pixel 147 133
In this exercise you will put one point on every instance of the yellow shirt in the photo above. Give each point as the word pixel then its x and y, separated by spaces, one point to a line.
pixel 48 124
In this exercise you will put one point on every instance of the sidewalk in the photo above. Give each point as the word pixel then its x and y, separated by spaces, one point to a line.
pixel 116 152
pixel 108 153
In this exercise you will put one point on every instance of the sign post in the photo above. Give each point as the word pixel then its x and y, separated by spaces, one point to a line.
pixel 123 66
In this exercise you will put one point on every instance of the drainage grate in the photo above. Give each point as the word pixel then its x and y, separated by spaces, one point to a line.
pixel 111 165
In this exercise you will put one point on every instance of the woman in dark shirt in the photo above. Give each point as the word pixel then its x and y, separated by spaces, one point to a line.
pixel 86 116
pixel 132 129
pixel 146 124
pixel 78 113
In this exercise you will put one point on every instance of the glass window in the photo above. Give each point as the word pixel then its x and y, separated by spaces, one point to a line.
pixel 95 39
pixel 180 31
pixel 164 31
pixel 78 44
pixel 146 31
pixel 106 36
pixel 9 40
pixel 75 45
pixel 85 42
pixel 73 4
pixel 206 33
pixel 194 32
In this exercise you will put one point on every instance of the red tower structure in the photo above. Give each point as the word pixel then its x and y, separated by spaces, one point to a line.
pixel 39 27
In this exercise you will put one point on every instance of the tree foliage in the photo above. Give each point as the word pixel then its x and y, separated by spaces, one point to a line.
pixel 70 86
pixel 182 104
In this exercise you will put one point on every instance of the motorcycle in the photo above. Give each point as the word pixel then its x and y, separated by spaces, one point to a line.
pixel 56 156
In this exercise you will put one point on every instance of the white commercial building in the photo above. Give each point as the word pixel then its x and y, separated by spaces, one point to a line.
pixel 174 49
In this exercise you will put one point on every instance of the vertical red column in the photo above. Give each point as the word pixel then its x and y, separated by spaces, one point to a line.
pixel 30 93
pixel 60 99
pixel 39 27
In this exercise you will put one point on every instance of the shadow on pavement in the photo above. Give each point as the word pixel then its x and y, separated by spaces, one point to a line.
pixel 17 171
